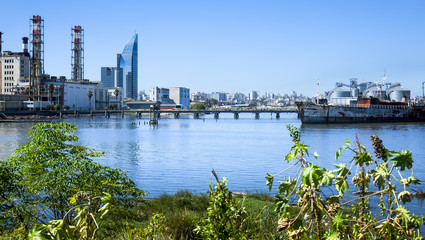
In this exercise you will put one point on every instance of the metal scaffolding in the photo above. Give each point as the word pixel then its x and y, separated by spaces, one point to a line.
pixel 77 57
pixel 37 54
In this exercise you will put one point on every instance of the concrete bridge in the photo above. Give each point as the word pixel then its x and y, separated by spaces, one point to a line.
pixel 197 113
pixel 154 114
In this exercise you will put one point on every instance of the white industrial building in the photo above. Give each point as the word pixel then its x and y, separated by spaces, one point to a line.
pixel 15 67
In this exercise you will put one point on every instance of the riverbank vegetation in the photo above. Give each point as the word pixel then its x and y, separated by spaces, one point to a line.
pixel 52 189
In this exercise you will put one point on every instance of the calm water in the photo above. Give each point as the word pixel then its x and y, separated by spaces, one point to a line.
pixel 180 154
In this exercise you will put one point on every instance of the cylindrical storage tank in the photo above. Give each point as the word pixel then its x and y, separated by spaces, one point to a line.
pixel 339 92
pixel 375 92
pixel 396 93
pixel 355 92
pixel 362 87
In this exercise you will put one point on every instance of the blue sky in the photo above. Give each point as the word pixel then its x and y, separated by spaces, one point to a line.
pixel 234 45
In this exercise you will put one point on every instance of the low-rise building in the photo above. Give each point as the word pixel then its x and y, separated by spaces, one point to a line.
pixel 180 96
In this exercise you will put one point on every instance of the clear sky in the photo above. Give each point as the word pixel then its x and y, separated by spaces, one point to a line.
pixel 234 45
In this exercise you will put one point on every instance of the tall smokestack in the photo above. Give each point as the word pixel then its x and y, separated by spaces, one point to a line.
pixel 25 45
pixel 0 42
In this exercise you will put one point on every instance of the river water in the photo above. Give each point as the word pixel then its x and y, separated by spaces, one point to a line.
pixel 180 153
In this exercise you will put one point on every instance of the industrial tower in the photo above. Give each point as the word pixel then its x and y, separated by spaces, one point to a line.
pixel 37 54
pixel 0 42
pixel 77 57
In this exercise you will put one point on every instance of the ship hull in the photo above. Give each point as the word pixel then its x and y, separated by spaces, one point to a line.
pixel 312 113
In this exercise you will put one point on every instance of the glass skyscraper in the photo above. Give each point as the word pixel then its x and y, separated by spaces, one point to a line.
pixel 127 61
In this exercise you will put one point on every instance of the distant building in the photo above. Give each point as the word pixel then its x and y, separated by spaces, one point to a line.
pixel 124 75
pixel 180 96
pixel 111 77
pixel 219 96
pixel 115 97
pixel 157 94
pixel 15 68
pixel 253 95
pixel 127 60
pixel 198 97
pixel 143 95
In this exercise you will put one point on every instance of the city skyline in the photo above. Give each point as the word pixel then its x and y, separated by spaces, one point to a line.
pixel 236 46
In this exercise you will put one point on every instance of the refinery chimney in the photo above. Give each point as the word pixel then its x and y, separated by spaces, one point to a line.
pixel 37 53
pixel 77 56
pixel 0 42
pixel 25 45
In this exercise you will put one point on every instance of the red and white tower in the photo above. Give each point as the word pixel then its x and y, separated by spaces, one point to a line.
pixel 77 57
pixel 37 53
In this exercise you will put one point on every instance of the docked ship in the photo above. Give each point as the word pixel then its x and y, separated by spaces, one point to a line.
pixel 366 102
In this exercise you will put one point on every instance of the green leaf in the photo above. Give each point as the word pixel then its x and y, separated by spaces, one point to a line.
pixel 312 175
pixel 316 155
pixel 363 158
pixel 287 186
pixel 380 175
pixel 333 199
pixel 403 213
pixel 386 229
pixel 410 180
pixel 269 182
pixel 341 185
pixel 327 178
pixel 346 146
pixel 341 170
pixel 283 208
pixel 403 159
pixel 340 223
pixel 39 233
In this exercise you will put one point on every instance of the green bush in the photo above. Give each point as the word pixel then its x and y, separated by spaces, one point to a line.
pixel 320 215
pixel 198 106
pixel 226 218
pixel 42 175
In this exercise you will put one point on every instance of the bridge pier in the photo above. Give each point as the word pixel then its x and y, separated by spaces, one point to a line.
pixel 196 115
pixel 176 115
pixel 236 115
pixel 257 115
pixel 122 114
pixel 216 115
pixel 277 115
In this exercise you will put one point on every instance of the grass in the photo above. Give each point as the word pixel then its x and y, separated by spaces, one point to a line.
pixel 182 212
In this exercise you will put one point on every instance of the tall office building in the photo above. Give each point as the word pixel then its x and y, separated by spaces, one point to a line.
pixel 127 60
pixel 111 76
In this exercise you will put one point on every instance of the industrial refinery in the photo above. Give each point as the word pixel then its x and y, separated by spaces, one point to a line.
pixel 347 94
pixel 25 85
